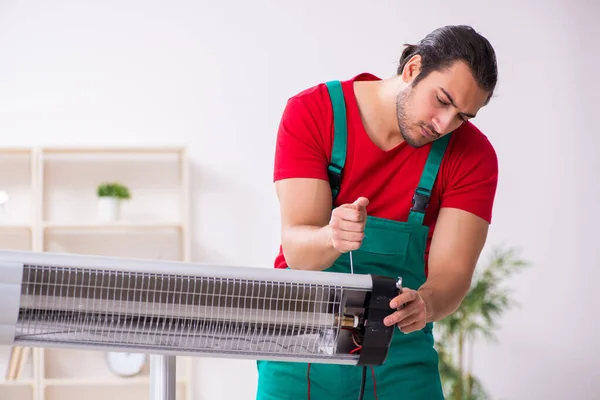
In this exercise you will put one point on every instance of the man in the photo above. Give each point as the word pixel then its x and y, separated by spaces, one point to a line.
pixel 393 173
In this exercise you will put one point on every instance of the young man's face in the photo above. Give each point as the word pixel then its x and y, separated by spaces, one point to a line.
pixel 438 104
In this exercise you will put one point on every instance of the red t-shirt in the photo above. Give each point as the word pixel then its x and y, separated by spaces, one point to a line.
pixel 466 180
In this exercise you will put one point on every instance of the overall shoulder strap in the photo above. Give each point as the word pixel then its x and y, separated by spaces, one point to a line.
pixel 338 153
pixel 430 171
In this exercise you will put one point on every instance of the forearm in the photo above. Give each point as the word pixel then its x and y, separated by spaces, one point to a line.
pixel 455 247
pixel 443 298
pixel 309 247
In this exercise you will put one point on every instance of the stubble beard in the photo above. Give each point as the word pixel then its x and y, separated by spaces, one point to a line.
pixel 403 115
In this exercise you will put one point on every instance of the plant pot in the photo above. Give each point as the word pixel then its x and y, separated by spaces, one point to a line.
pixel 109 209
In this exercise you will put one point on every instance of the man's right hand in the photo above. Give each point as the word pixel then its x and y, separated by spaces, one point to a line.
pixel 347 225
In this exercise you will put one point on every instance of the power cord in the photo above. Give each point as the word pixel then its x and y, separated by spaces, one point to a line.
pixel 363 379
pixel 362 383
pixel 361 395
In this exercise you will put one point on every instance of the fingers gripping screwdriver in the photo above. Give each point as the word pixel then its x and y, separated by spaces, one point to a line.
pixel 399 287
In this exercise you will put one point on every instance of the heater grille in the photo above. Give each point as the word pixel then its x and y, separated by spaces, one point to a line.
pixel 154 311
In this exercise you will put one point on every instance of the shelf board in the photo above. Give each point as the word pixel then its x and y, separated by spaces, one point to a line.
pixel 112 226
pixel 21 382
pixel 14 227
pixel 96 381
pixel 138 380
pixel 114 150
pixel 15 150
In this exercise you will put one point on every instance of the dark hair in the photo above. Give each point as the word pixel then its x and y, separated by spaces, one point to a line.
pixel 448 44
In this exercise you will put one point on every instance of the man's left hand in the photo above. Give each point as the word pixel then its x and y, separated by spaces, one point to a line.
pixel 413 314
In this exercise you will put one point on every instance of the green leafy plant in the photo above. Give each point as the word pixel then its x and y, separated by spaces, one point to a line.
pixel 113 189
pixel 476 318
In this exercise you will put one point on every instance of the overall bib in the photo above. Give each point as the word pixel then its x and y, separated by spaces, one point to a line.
pixel 390 248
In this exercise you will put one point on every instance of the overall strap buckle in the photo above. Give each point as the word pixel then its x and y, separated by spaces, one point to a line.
pixel 420 200
pixel 422 195
pixel 334 172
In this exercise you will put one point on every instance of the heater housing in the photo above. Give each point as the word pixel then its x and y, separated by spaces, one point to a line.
pixel 172 308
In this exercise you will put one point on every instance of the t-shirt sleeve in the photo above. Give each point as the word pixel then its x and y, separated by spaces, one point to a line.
pixel 472 177
pixel 300 146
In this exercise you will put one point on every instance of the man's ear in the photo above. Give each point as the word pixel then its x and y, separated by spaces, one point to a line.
pixel 411 69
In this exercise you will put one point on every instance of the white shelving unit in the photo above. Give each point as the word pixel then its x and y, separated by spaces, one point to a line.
pixel 52 207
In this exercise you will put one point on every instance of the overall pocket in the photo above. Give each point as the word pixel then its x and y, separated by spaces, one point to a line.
pixel 386 237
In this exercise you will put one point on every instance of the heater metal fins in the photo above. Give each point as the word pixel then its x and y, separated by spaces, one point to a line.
pixel 176 308
pixel 161 312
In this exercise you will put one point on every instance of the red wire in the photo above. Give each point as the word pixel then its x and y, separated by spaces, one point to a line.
pixel 308 379
pixel 374 383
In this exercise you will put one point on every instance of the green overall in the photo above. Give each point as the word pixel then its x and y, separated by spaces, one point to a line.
pixel 390 248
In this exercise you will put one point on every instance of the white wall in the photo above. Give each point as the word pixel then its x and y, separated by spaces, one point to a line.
pixel 215 76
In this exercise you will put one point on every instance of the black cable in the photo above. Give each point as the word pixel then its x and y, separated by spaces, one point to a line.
pixel 362 383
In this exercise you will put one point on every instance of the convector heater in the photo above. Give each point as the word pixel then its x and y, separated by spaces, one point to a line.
pixel 170 308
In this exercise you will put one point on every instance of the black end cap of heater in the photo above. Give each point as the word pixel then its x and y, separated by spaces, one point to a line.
pixel 378 336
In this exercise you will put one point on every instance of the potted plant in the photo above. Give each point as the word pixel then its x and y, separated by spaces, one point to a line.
pixel 476 318
pixel 110 196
